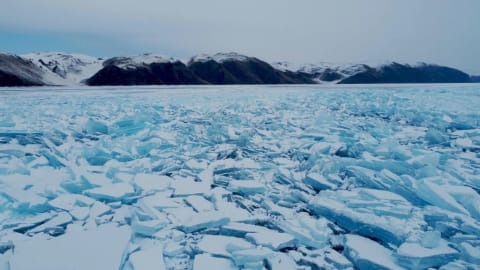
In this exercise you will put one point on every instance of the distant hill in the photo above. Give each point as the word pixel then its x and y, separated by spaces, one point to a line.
pixel 398 73
pixel 65 69
pixel 234 68
pixel 229 68
pixel 143 70
pixel 222 68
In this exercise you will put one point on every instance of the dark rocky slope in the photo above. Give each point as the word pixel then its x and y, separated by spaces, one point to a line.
pixel 248 70
pixel 398 73
pixel 230 69
pixel 16 71
pixel 125 71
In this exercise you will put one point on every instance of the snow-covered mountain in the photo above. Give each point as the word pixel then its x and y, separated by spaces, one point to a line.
pixel 323 72
pixel 371 73
pixel 132 62
pixel 221 68
pixel 219 57
pixel 146 69
pixel 65 69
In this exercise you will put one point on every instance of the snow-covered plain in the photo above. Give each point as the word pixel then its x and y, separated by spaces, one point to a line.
pixel 250 177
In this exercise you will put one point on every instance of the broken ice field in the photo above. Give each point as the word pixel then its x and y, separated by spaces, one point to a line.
pixel 240 177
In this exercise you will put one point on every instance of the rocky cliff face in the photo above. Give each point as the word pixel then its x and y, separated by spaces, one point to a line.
pixel 152 70
pixel 217 69
pixel 398 73
pixel 16 71
pixel 238 69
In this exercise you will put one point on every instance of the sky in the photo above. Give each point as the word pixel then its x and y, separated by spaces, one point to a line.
pixel 444 32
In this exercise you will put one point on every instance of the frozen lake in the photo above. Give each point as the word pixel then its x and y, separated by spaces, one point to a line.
pixel 240 177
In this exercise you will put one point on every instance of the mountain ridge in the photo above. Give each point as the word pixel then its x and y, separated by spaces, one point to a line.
pixel 56 68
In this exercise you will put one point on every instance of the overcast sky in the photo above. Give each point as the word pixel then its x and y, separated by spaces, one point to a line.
pixel 436 31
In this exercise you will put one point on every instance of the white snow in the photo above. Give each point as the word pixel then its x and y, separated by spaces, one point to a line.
pixel 219 57
pixel 140 60
pixel 207 261
pixel 187 186
pixel 272 239
pixel 222 245
pixel 77 250
pixel 150 257
pixel 65 69
pixel 417 250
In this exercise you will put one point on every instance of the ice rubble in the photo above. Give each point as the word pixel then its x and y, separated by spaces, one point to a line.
pixel 252 178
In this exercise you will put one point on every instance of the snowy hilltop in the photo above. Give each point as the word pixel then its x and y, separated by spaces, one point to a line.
pixel 65 69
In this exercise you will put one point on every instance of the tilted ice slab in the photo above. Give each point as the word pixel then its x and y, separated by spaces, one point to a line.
pixel 416 256
pixel 237 177
pixel 220 245
pixel 371 213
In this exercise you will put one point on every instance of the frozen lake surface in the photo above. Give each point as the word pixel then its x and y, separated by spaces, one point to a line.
pixel 240 177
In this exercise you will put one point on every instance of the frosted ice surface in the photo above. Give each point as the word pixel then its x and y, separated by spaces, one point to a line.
pixel 368 254
pixel 372 213
pixel 199 203
pixel 70 201
pixel 240 177
pixel 272 239
pixel 431 239
pixel 148 257
pixel 207 261
pixel 415 256
pixel 471 253
pixel 55 225
pixel 204 220
pixel 281 261
pixel 246 187
pixel 246 257
pixel 338 260
pixel 151 182
pixel 222 245
pixel 111 192
pixel 318 181
pixel 187 186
